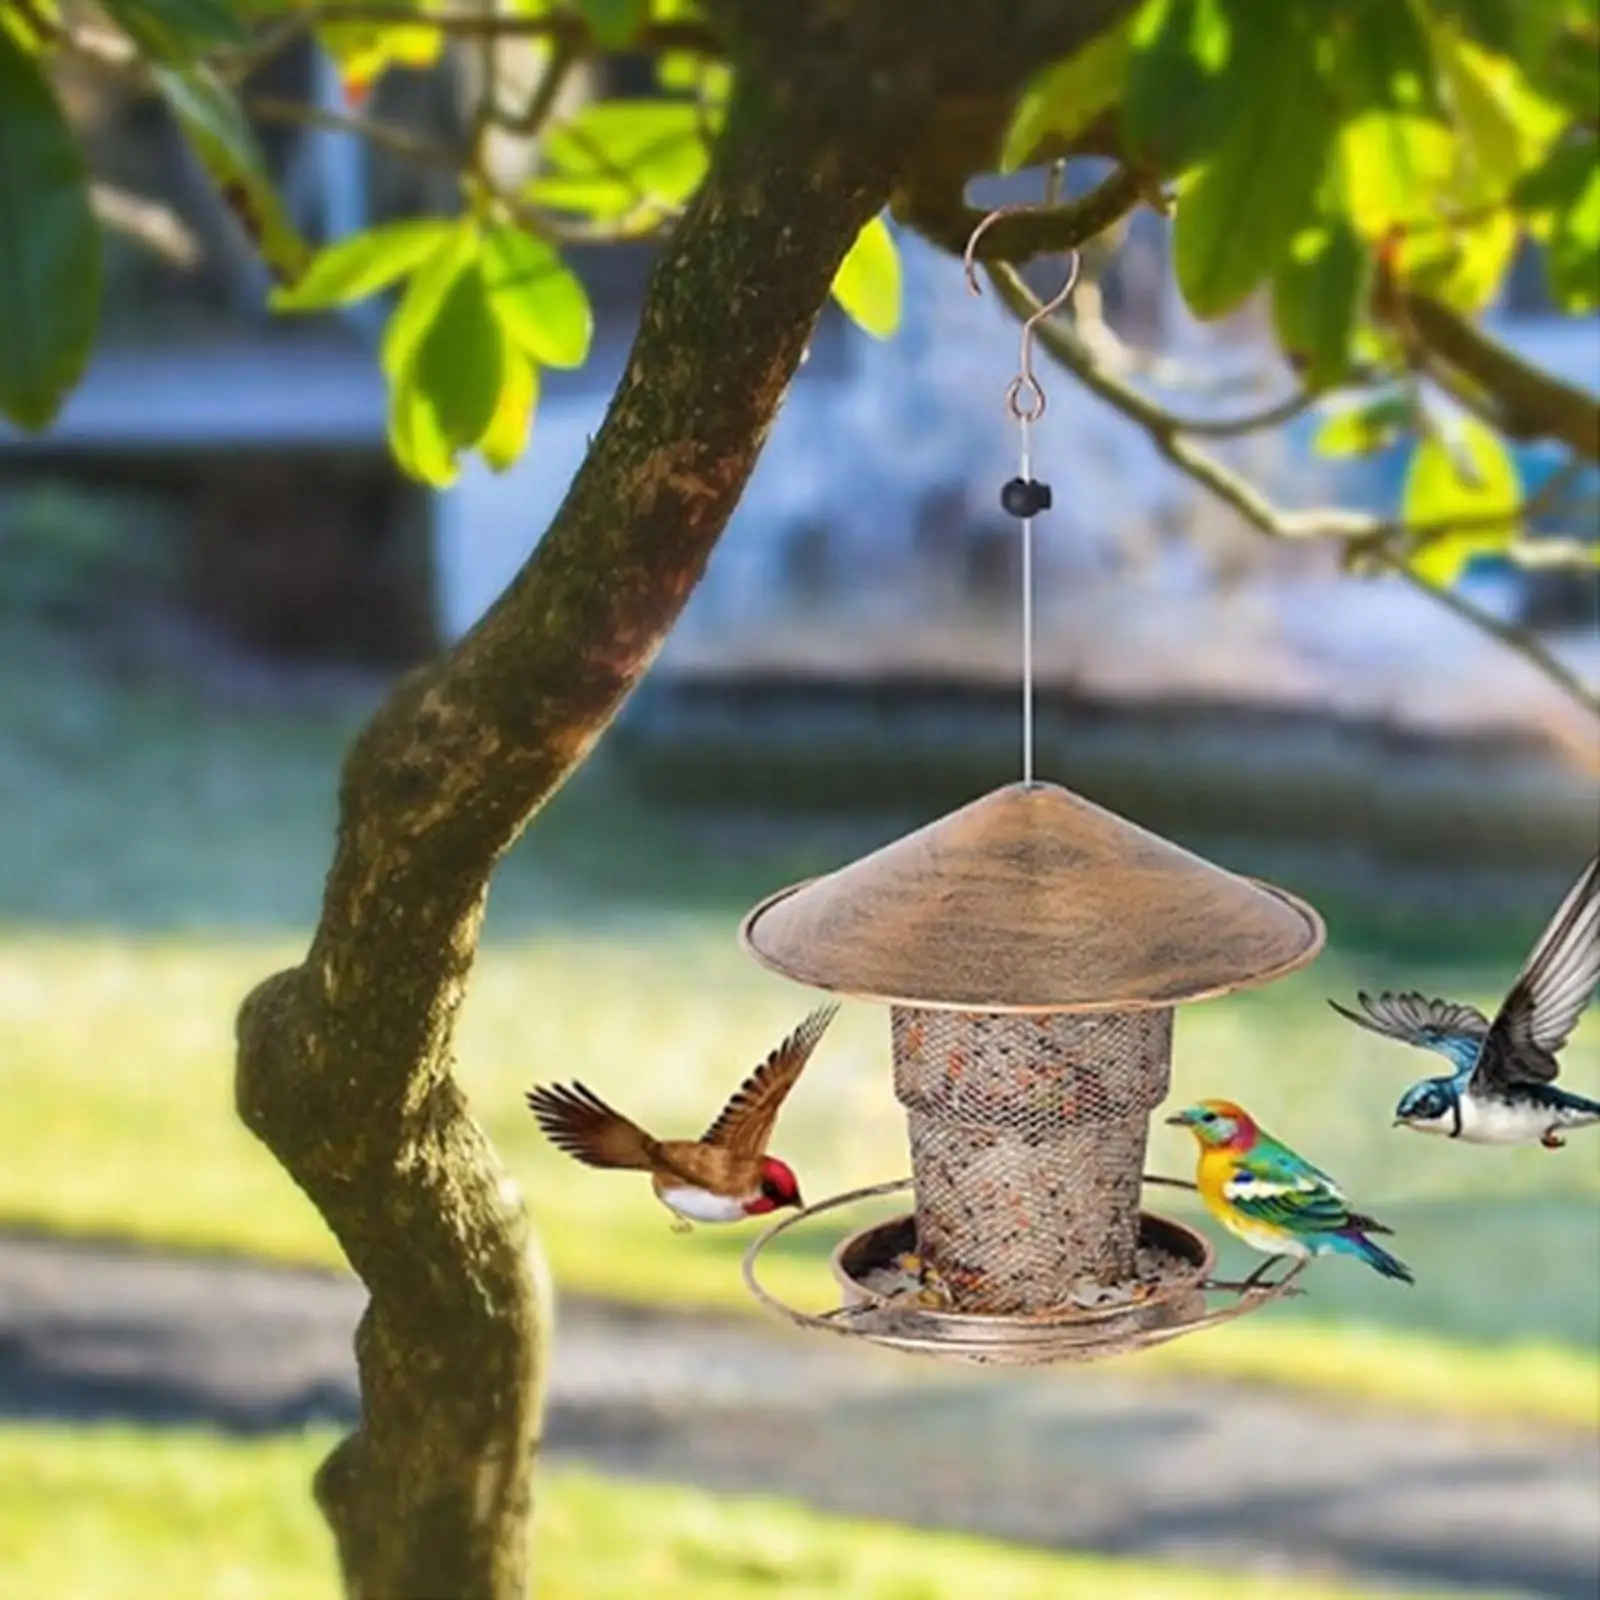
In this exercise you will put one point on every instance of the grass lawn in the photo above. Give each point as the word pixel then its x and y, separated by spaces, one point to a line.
pixel 158 858
pixel 124 1515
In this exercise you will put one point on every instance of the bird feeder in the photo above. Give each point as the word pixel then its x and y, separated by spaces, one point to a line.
pixel 1032 949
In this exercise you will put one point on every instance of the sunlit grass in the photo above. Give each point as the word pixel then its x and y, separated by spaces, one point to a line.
pixel 118 1120
pixel 158 858
pixel 118 1514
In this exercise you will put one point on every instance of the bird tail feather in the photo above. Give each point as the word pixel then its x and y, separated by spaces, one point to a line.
pixel 1377 1257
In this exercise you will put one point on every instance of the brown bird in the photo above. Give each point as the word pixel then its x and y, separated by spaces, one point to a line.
pixel 723 1176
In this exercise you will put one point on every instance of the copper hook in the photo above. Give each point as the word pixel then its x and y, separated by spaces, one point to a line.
pixel 1025 398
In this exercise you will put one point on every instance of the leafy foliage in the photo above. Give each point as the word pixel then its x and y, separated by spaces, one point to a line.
pixel 867 285
pixel 1066 97
pixel 176 30
pixel 1463 487
pixel 1328 159
pixel 222 138
pixel 622 157
pixel 49 247
pixel 1366 427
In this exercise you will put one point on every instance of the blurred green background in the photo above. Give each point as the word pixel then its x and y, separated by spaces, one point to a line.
pixel 165 833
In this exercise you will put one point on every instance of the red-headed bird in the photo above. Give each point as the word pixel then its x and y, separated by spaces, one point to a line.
pixel 1273 1199
pixel 725 1175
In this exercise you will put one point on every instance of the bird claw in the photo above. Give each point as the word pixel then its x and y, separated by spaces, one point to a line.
pixel 1553 1141
pixel 682 1225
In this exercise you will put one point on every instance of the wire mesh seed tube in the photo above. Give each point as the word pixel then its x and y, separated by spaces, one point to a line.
pixel 1031 948
pixel 1027 1146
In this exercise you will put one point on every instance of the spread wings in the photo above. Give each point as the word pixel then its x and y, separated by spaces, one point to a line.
pixel 1275 1187
pixel 579 1122
pixel 1555 985
pixel 1453 1029
pixel 745 1124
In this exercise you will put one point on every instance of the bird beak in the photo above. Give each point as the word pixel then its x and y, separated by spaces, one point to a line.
pixel 1179 1121
pixel 797 1202
pixel 1399 1122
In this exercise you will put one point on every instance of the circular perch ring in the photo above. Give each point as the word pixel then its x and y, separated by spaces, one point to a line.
pixel 1031 1339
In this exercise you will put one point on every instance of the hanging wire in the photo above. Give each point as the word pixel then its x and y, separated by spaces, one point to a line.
pixel 1024 496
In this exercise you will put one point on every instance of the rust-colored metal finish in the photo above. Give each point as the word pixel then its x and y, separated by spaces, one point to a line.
pixel 1032 947
pixel 1195 1302
pixel 1032 899
pixel 1027 1144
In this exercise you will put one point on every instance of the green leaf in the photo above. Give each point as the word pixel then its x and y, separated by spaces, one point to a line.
pixel 1176 107
pixel 1237 215
pixel 1567 75
pixel 1396 148
pixel 1504 128
pixel 1561 201
pixel 414 433
pixel 49 248
pixel 1383 60
pixel 1065 98
pixel 176 30
pixel 1506 125
pixel 684 72
pixel 506 437
pixel 1395 165
pixel 430 285
pixel 538 301
pixel 363 51
pixel 460 364
pixel 1318 291
pixel 614 22
pixel 20 28
pixel 361 265
pixel 1559 181
pixel 1365 428
pixel 867 284
pixel 1574 261
pixel 1470 478
pixel 623 155
pixel 222 139
pixel 1490 22
pixel 445 394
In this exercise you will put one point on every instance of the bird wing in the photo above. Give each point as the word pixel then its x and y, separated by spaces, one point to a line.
pixel 579 1122
pixel 1555 985
pixel 1448 1026
pixel 1273 1186
pixel 745 1124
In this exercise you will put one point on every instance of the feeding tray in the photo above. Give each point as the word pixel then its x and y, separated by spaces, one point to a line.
pixel 1032 948
pixel 884 1303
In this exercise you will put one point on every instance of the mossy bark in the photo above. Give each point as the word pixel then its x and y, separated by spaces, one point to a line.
pixel 344 1061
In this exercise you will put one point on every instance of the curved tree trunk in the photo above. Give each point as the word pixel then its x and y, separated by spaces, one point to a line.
pixel 344 1061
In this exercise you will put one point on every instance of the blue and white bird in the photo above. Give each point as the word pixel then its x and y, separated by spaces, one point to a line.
pixel 1503 1090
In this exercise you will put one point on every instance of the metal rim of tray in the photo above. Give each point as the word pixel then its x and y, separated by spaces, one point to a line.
pixel 1031 1339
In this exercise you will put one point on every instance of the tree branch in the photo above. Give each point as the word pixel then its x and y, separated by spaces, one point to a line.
pixel 147 222
pixel 1532 404
pixel 566 27
pixel 398 142
pixel 1372 536
pixel 942 216
pixel 344 1061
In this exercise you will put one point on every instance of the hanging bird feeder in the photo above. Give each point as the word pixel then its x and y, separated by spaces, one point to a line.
pixel 1032 949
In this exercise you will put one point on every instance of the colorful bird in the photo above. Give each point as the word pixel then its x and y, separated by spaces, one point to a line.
pixel 1273 1199
pixel 1503 1089
pixel 723 1176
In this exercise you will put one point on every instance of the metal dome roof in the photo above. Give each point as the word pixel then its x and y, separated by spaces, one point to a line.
pixel 1032 899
